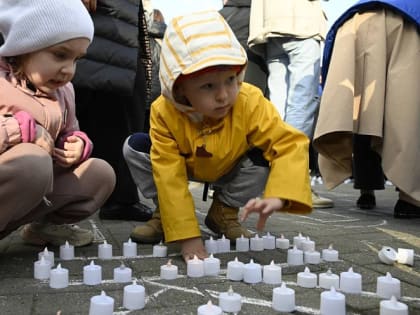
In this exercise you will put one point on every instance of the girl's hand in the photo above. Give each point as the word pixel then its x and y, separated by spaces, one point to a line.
pixel 44 139
pixel 265 207
pixel 72 152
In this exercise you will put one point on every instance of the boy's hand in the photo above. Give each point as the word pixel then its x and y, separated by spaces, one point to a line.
pixel 265 208
pixel 191 247
pixel 72 152
pixel 90 5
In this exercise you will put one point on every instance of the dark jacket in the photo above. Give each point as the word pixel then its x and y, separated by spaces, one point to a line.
pixel 236 13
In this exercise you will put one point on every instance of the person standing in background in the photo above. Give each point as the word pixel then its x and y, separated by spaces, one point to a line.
pixel 288 34
pixel 112 89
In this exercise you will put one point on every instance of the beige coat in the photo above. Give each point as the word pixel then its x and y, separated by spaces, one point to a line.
pixel 372 88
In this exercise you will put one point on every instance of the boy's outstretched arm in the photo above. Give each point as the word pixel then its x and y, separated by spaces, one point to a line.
pixel 191 247
pixel 265 207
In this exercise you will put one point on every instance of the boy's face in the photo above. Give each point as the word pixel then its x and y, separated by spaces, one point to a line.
pixel 54 66
pixel 212 93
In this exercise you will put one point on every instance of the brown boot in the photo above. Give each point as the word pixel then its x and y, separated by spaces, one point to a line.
pixel 149 233
pixel 222 219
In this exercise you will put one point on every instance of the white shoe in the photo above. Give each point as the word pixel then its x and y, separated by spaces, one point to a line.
pixel 319 202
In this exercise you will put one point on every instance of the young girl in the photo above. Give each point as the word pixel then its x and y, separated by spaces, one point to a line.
pixel 47 179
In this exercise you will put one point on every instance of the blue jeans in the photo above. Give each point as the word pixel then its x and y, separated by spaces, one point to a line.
pixel 294 69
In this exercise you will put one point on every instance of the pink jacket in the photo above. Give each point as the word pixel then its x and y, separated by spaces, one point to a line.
pixel 56 112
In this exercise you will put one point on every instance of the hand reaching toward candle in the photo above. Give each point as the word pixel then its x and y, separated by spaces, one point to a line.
pixel 191 247
pixel 265 207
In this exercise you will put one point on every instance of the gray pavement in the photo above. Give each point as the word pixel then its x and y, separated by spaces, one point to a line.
pixel 357 235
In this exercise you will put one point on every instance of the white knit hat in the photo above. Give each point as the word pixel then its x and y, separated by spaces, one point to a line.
pixel 31 25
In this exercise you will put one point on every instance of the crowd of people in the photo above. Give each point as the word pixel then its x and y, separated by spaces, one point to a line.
pixel 230 99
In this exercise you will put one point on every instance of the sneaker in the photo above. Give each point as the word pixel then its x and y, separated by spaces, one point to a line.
pixel 38 233
pixel 366 201
pixel 134 212
pixel 319 202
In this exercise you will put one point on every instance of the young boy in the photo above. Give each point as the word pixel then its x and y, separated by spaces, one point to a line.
pixel 211 127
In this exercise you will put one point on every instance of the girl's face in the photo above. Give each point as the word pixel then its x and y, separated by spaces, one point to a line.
pixel 212 93
pixel 52 67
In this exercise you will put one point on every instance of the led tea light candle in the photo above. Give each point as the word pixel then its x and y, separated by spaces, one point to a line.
pixel 294 256
pixel 387 286
pixel 282 242
pixel 223 245
pixel 209 309
pixel 105 250
pixel 405 256
pixel 312 257
pixel 134 296
pixel 195 267
pixel 92 274
pixel 211 266
pixel 211 245
pixel 129 248
pixel 48 255
pixel 297 240
pixel 387 255
pixel 59 277
pixel 272 273
pixel 330 254
pixel 168 271
pixel 252 272
pixel 328 280
pixel 333 303
pixel 66 251
pixel 242 244
pixel 256 243
pixel 122 274
pixel 101 305
pixel 307 245
pixel 230 302
pixel 269 241
pixel 160 250
pixel 392 307
pixel 42 269
pixel 283 299
pixel 235 270
pixel 350 281
pixel 307 279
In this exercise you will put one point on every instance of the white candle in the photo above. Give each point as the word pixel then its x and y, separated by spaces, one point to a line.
pixel 307 245
pixel 160 250
pixel 211 266
pixel 209 309
pixel 101 305
pixel 92 274
pixel 230 302
pixel 242 244
pixel 294 256
pixel 272 273
pixel 195 267
pixel 328 280
pixel 387 255
pixel 269 241
pixel 235 270
pixel 122 274
pixel 59 277
pixel 307 279
pixel 223 245
pixel 387 286
pixel 134 296
pixel 333 303
pixel 392 307
pixel 297 240
pixel 312 257
pixel 282 242
pixel 105 250
pixel 48 255
pixel 129 248
pixel 252 272
pixel 211 245
pixel 330 254
pixel 168 271
pixel 66 251
pixel 257 243
pixel 405 256
pixel 42 269
pixel 283 299
pixel 350 281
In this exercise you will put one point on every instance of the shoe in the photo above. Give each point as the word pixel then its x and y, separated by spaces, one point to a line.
pixel 149 233
pixel 134 212
pixel 223 220
pixel 405 210
pixel 42 233
pixel 366 201
pixel 319 202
